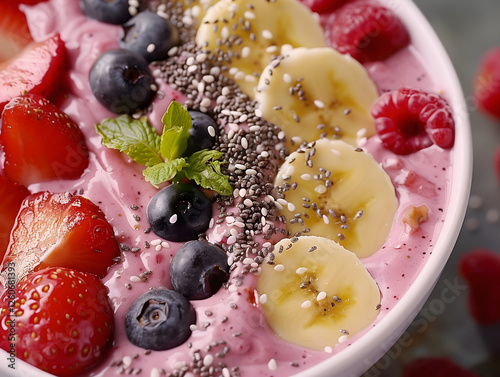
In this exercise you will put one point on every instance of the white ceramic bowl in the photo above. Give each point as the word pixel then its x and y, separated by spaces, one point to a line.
pixel 366 351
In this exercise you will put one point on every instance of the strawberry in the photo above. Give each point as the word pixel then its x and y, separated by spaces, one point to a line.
pixel 14 32
pixel 435 367
pixel 60 320
pixel 408 120
pixel 38 69
pixel 61 230
pixel 40 142
pixel 481 269
pixel 11 197
pixel 323 6
pixel 486 83
pixel 367 31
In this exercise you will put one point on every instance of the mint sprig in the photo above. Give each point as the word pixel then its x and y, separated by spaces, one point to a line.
pixel 162 154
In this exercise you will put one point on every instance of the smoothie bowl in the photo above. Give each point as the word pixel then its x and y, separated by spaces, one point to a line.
pixel 262 190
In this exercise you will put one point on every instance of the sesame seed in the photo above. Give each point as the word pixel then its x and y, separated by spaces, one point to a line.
pixel 328 349
pixel 266 34
pixel 301 270
pixel 272 365
pixel 306 304
pixel 245 52
pixel 321 296
pixel 135 279
pixel 211 131
pixel 319 104
pixel 173 219
pixel 263 298
pixel 279 267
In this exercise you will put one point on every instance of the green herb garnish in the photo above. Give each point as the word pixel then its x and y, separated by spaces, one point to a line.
pixel 162 154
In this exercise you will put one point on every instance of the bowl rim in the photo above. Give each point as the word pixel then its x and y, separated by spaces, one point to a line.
pixel 365 351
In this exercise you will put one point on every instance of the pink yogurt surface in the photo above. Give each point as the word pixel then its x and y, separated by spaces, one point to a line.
pixel 232 317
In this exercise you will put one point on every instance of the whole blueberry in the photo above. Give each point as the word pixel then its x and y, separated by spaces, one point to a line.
pixel 203 133
pixel 179 212
pixel 149 35
pixel 198 270
pixel 122 81
pixel 110 11
pixel 159 320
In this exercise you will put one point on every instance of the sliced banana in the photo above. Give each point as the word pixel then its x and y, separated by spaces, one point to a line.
pixel 314 93
pixel 316 293
pixel 248 34
pixel 334 190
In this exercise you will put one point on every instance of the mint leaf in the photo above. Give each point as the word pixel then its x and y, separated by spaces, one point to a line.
pixel 163 172
pixel 177 122
pixel 137 138
pixel 204 169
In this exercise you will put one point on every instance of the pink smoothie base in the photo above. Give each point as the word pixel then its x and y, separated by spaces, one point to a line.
pixel 406 268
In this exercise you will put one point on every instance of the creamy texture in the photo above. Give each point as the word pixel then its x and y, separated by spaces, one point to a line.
pixel 232 318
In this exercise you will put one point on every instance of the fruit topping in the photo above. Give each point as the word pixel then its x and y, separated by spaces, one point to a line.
pixel 162 154
pixel 111 11
pixel 245 35
pixel 40 142
pixel 323 6
pixel 150 36
pixel 198 270
pixel 435 367
pixel 367 31
pixel 159 320
pixel 122 81
pixel 11 197
pixel 61 230
pixel 316 294
pixel 481 269
pixel 62 319
pixel 14 32
pixel 202 134
pixel 38 69
pixel 339 192
pixel 179 212
pixel 408 120
pixel 289 96
pixel 487 83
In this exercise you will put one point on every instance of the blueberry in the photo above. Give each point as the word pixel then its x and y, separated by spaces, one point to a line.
pixel 198 270
pixel 150 36
pixel 202 134
pixel 110 11
pixel 159 320
pixel 179 212
pixel 122 81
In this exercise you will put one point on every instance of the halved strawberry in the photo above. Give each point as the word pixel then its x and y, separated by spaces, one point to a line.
pixel 40 142
pixel 481 270
pixel 38 69
pixel 11 197
pixel 61 230
pixel 14 32
pixel 57 319
pixel 367 31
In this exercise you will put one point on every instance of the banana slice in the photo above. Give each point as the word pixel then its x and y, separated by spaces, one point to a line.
pixel 316 293
pixel 334 190
pixel 248 34
pixel 314 93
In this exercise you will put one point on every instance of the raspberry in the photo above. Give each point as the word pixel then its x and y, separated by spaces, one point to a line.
pixel 368 32
pixel 323 6
pixel 481 268
pixel 435 367
pixel 487 83
pixel 408 120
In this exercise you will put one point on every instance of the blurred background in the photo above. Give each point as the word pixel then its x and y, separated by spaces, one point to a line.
pixel 467 29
